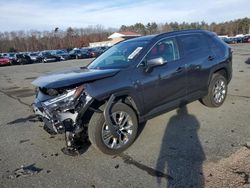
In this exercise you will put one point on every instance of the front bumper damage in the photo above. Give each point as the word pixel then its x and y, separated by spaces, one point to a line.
pixel 54 122
pixel 64 118
pixel 71 120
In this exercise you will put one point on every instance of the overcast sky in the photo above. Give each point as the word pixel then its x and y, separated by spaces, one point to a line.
pixel 48 14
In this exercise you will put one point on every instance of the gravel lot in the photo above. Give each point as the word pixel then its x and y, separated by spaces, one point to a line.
pixel 177 149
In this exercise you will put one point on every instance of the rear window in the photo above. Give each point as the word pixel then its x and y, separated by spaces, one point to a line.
pixel 216 46
pixel 193 43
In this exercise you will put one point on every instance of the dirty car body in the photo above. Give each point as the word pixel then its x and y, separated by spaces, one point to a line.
pixel 133 81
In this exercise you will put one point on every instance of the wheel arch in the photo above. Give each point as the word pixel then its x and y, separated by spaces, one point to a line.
pixel 98 105
pixel 219 70
pixel 223 71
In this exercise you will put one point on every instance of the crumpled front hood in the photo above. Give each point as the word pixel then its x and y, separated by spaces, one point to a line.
pixel 72 77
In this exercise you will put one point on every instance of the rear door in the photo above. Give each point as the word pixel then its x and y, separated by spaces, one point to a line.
pixel 197 57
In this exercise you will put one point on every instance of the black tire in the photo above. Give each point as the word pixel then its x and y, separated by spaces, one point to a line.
pixel 209 100
pixel 97 124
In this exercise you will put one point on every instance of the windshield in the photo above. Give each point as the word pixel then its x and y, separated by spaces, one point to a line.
pixel 119 56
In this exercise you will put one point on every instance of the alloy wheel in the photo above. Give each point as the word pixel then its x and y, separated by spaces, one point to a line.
pixel 123 126
pixel 219 91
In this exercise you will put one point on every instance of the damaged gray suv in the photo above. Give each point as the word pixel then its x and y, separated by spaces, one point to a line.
pixel 133 81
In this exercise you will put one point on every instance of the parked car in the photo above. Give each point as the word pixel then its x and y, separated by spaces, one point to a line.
pixel 4 61
pixel 12 56
pixel 79 54
pixel 46 57
pixel 246 38
pixel 238 39
pixel 133 81
pixel 62 54
pixel 229 40
pixel 104 48
pixel 95 52
pixel 5 55
pixel 34 56
pixel 23 59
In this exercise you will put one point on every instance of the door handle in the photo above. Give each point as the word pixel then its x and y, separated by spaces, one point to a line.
pixel 210 58
pixel 179 69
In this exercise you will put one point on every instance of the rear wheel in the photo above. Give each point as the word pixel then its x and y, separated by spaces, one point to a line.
pixel 217 91
pixel 126 126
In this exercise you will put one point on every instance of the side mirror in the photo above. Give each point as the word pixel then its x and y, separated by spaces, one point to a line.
pixel 150 64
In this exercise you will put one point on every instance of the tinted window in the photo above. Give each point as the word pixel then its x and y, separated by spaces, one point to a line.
pixel 193 43
pixel 216 46
pixel 167 49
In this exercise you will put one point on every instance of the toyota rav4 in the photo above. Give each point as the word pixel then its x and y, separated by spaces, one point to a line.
pixel 133 81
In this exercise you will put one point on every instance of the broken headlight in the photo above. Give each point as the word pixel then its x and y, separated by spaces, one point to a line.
pixel 65 101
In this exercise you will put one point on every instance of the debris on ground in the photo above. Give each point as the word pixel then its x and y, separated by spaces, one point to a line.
pixel 24 171
pixel 54 154
pixel 117 166
pixel 44 155
pixel 23 141
pixel 233 171
pixel 247 145
pixel 69 151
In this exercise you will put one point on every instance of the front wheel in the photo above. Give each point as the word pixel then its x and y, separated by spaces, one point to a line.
pixel 126 126
pixel 217 91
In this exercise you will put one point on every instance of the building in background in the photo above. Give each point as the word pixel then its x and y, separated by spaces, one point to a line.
pixel 115 38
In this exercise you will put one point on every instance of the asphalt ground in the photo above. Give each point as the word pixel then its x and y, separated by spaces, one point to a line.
pixel 171 150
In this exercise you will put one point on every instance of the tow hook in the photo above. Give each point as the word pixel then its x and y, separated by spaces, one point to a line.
pixel 107 117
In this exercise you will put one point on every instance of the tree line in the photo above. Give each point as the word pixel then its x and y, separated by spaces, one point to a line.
pixel 231 28
pixel 80 37
pixel 23 41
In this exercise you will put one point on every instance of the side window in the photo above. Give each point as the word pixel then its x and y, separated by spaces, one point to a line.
pixel 215 46
pixel 166 48
pixel 193 43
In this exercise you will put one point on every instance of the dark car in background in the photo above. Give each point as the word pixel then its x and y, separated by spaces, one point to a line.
pixel 246 39
pixel 229 40
pixel 23 59
pixel 12 56
pixel 34 56
pixel 95 52
pixel 79 53
pixel 62 54
pixel 46 57
pixel 132 82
